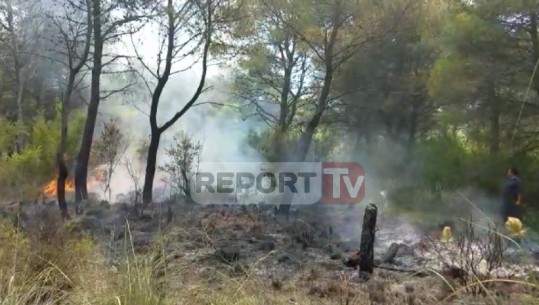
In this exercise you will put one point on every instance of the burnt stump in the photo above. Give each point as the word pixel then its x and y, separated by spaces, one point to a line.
pixel 366 252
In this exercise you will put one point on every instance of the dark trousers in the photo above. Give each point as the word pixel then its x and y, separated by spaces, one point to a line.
pixel 510 209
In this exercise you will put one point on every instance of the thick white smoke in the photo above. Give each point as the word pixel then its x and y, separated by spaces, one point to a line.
pixel 219 128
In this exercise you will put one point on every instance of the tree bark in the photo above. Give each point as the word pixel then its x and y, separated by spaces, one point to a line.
pixel 494 118
pixel 18 69
pixel 19 96
pixel 535 46
pixel 81 172
pixel 74 69
pixel 366 263
pixel 63 173
pixel 307 136
pixel 494 141
pixel 156 131
pixel 151 165
pixel 412 131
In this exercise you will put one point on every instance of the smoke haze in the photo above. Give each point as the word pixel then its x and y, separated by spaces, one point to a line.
pixel 222 132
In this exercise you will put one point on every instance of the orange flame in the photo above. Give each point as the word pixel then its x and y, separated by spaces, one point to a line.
pixel 50 190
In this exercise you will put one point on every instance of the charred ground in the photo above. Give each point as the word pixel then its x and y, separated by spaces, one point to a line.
pixel 194 254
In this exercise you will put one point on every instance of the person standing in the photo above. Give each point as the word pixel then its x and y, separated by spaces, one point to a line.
pixel 512 195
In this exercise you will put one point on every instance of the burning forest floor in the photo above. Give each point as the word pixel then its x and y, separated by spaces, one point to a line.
pixel 190 254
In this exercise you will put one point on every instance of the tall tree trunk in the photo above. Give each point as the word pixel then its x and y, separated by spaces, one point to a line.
pixel 307 136
pixel 535 45
pixel 19 101
pixel 494 138
pixel 283 115
pixel 19 95
pixel 151 165
pixel 63 171
pixel 494 122
pixel 412 131
pixel 162 80
pixel 18 69
pixel 280 150
pixel 81 172
pixel 74 69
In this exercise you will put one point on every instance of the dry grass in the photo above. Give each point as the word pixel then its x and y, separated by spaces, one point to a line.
pixel 53 264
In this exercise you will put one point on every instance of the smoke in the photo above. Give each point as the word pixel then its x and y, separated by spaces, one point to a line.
pixel 393 184
pixel 212 122
pixel 223 134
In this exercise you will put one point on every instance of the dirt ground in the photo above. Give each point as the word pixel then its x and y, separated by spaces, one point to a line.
pixel 216 253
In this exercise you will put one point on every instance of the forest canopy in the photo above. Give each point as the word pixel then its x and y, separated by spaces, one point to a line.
pixel 440 93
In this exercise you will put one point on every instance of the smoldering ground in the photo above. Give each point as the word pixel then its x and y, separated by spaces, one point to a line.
pixel 223 133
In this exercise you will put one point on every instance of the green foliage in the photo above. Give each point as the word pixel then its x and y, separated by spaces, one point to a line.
pixel 433 101
pixel 23 174
pixel 453 163
pixel 107 152
pixel 326 143
pixel 443 161
pixel 531 219
pixel 184 157
pixel 469 44
pixel 259 141
pixel 273 144
pixel 19 172
pixel 9 133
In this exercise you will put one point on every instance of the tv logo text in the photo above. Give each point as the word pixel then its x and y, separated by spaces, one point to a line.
pixel 297 183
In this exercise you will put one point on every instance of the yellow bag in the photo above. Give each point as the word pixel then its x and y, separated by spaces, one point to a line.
pixel 447 236
pixel 514 226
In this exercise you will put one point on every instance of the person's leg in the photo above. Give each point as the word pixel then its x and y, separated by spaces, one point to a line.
pixel 519 213
pixel 515 211
pixel 504 212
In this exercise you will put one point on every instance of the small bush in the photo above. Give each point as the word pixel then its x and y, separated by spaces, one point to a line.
pixel 184 158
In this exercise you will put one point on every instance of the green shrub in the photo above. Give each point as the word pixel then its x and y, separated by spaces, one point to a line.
pixel 23 174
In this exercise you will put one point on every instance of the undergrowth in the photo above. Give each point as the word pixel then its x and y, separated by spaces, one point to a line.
pixel 52 263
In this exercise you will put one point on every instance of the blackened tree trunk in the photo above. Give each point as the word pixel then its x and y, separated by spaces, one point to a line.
pixel 366 263
pixel 307 137
pixel 63 173
pixel 81 172
pixel 151 166
pixel 207 11
pixel 74 65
